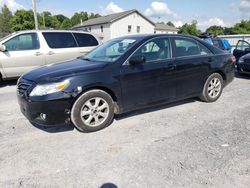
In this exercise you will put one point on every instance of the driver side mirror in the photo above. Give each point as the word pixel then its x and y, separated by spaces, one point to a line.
pixel 137 60
pixel 2 48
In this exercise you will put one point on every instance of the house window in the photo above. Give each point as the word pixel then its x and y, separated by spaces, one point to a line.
pixel 138 29
pixel 89 28
pixel 102 29
pixel 129 28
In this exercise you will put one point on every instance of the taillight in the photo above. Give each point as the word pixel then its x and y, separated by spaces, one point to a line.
pixel 232 59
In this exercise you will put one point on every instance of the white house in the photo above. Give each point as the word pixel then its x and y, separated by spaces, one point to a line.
pixel 161 28
pixel 119 24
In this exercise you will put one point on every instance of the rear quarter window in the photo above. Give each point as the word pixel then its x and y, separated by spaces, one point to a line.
pixel 85 40
pixel 59 40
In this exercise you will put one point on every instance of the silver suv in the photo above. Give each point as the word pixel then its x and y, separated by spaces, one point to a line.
pixel 23 51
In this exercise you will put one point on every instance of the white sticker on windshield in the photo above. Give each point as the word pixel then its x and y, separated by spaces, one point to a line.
pixel 128 41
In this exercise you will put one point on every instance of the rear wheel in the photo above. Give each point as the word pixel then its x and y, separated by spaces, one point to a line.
pixel 213 88
pixel 92 111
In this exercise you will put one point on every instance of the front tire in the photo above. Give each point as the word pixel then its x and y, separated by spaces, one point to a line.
pixel 93 111
pixel 213 88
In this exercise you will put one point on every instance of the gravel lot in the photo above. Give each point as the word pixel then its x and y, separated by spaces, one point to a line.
pixel 190 144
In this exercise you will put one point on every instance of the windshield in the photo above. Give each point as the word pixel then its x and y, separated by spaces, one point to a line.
pixel 111 50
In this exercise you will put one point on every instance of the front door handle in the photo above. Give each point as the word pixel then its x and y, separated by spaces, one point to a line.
pixel 38 54
pixel 51 53
pixel 210 59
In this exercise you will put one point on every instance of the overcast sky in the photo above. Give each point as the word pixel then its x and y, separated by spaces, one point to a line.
pixel 206 12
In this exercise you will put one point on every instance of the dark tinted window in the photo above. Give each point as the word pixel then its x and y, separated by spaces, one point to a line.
pixel 186 47
pixel 85 40
pixel 155 50
pixel 60 40
pixel 27 41
pixel 204 50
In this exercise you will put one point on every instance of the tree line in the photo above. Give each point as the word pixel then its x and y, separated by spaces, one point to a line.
pixel 24 20
pixel 242 27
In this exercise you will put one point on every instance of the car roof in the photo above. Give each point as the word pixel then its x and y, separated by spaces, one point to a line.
pixel 141 36
pixel 52 31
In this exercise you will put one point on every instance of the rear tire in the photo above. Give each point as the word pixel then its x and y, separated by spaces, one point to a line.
pixel 93 111
pixel 213 88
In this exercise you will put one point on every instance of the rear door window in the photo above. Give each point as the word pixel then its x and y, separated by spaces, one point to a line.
pixel 85 40
pixel 187 47
pixel 21 42
pixel 59 40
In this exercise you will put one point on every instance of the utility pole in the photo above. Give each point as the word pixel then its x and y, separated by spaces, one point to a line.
pixel 35 14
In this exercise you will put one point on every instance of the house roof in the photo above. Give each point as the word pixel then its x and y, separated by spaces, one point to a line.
pixel 164 27
pixel 109 19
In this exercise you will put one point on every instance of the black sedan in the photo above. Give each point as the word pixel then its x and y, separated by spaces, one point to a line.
pixel 122 75
pixel 243 65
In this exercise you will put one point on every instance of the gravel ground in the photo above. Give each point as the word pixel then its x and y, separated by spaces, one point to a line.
pixel 185 144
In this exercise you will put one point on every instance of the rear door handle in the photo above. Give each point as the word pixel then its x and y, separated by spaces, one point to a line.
pixel 38 54
pixel 51 53
pixel 171 67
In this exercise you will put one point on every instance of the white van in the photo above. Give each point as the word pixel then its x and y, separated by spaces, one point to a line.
pixel 23 51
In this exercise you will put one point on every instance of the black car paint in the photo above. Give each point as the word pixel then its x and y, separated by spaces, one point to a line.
pixel 131 87
pixel 238 53
pixel 244 66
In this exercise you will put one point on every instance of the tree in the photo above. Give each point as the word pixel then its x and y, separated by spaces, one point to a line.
pixel 215 30
pixel 170 24
pixel 66 24
pixel 78 17
pixel 61 18
pixel 189 29
pixel 22 20
pixel 5 17
pixel 50 21
pixel 241 28
pixel 92 15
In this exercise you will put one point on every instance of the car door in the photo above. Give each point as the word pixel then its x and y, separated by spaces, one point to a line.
pixel 149 82
pixel 192 62
pixel 23 53
pixel 86 42
pixel 242 48
pixel 61 47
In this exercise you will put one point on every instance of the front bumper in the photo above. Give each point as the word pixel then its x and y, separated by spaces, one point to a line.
pixel 46 113
pixel 243 68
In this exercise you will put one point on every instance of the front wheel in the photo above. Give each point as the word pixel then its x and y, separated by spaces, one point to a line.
pixel 93 111
pixel 213 88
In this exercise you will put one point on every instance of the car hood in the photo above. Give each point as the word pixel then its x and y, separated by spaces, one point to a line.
pixel 57 71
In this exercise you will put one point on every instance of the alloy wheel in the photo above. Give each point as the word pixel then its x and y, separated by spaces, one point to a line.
pixel 94 111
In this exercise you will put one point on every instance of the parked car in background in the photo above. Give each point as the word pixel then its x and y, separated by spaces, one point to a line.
pixel 220 43
pixel 243 64
pixel 242 48
pixel 23 51
pixel 121 75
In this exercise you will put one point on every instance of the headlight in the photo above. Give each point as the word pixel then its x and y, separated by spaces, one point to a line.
pixel 241 60
pixel 41 90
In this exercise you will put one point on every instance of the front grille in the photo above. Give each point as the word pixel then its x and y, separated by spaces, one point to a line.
pixel 23 86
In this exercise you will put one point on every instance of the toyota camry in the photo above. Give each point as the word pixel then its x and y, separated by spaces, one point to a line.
pixel 122 75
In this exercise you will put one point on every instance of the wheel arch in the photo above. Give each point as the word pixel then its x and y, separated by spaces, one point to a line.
pixel 222 74
pixel 105 89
